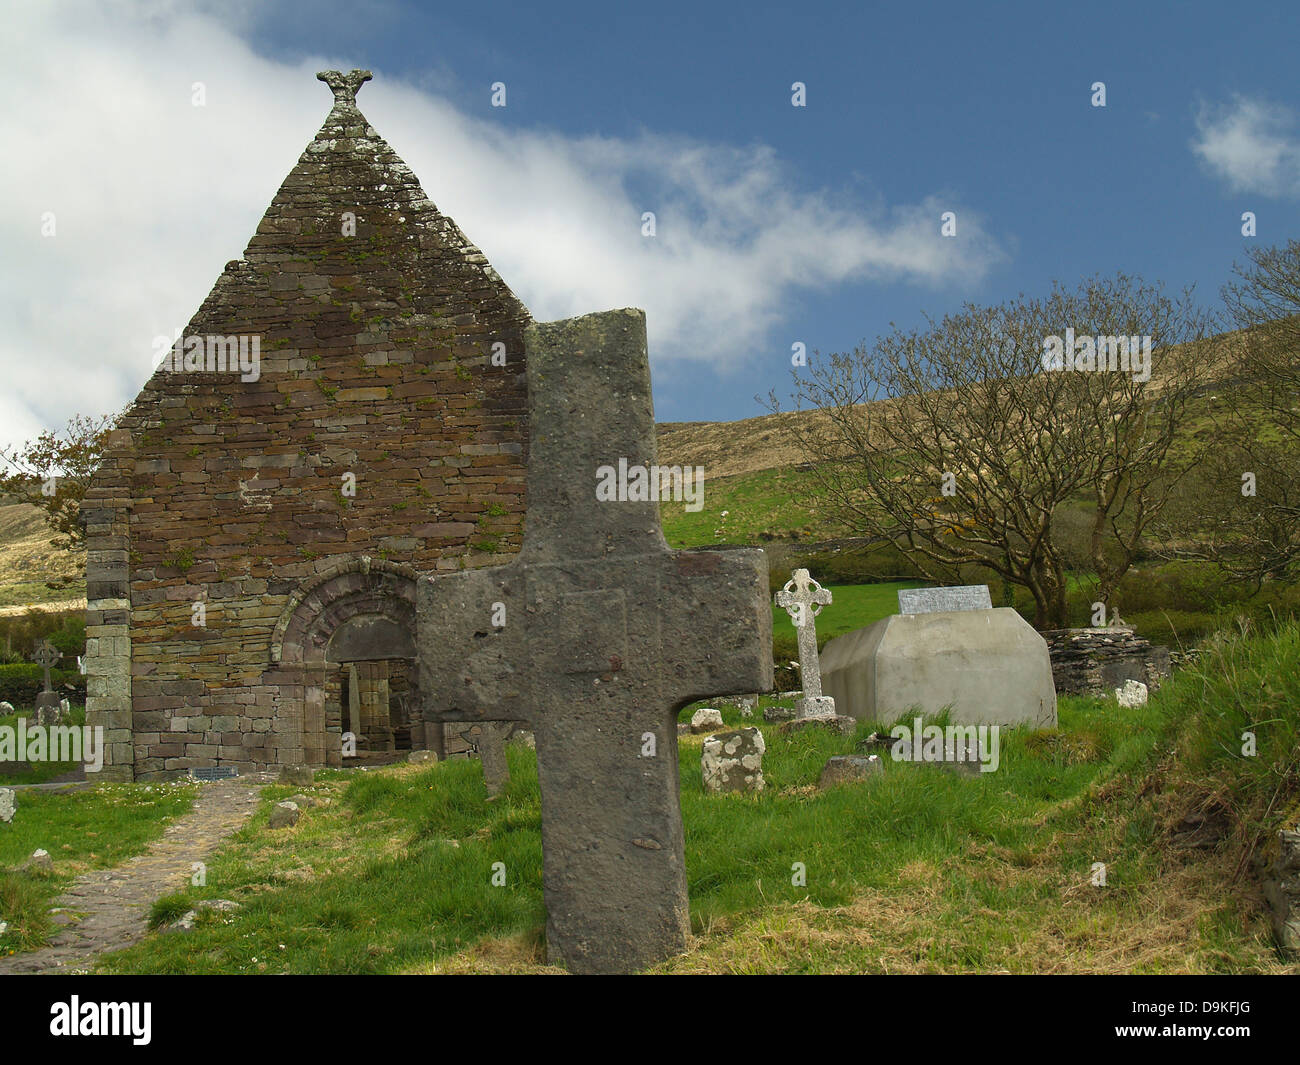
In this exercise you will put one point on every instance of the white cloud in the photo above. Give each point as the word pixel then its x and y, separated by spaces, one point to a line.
pixel 153 196
pixel 1251 144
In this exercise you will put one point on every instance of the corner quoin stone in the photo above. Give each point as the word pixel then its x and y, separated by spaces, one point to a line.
pixel 593 654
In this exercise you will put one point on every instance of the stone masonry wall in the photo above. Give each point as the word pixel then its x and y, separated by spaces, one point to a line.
pixel 375 363
pixel 1097 661
pixel 105 515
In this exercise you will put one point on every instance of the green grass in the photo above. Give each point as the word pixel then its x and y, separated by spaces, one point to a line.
pixel 395 871
pixel 917 870
pixel 21 593
pixel 766 505
pixel 82 830
pixel 852 606
pixel 39 772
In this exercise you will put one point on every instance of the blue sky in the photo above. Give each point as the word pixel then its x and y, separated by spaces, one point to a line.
pixel 775 224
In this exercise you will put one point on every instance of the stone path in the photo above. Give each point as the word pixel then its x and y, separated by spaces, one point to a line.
pixel 113 904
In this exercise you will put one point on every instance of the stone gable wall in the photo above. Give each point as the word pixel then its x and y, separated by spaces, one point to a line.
pixel 375 362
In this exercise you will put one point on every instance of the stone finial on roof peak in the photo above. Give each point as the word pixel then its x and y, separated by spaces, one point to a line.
pixel 345 86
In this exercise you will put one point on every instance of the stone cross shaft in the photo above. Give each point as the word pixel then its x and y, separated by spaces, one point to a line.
pixel 46 656
pixel 489 738
pixel 607 635
pixel 803 599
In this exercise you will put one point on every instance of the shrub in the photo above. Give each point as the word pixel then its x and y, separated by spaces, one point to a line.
pixel 1175 628
pixel 20 683
pixel 66 630
pixel 838 562
pixel 785 649
pixel 169 909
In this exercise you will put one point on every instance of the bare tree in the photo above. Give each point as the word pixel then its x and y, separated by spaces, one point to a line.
pixel 53 472
pixel 962 444
pixel 1242 509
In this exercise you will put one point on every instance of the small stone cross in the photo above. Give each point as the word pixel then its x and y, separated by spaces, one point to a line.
pixel 803 599
pixel 46 656
pixel 48 703
pixel 345 86
pixel 607 634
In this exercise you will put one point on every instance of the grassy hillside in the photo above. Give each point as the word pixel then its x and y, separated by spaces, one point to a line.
pixel 758 491
pixel 27 561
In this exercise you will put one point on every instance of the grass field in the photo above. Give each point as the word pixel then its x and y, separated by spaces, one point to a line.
pixel 919 870
pixel 81 830
pixel 31 593
pixel 749 508
pixel 852 606
pixel 39 772
pixel 27 560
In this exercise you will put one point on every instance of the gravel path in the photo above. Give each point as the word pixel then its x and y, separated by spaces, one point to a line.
pixel 109 908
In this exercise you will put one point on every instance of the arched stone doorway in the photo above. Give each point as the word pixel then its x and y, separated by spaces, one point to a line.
pixel 342 648
pixel 371 692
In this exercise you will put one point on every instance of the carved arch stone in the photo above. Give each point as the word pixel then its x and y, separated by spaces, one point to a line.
pixel 364 586
pixel 362 601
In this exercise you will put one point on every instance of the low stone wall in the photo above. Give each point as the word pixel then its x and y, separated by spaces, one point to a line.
pixel 1280 873
pixel 1097 661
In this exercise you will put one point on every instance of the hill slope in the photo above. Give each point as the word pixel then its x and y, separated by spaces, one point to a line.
pixel 27 560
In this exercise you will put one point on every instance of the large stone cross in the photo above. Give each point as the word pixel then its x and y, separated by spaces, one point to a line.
pixel 607 634
pixel 803 599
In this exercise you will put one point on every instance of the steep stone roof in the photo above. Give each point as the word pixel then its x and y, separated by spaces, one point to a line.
pixel 377 319
pixel 349 166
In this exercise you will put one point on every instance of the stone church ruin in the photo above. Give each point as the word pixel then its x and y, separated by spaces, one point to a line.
pixel 254 539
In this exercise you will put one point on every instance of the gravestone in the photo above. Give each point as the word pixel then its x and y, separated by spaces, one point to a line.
pixel 284 815
pixel 607 635
pixel 489 739
pixel 803 599
pixel 1132 694
pixel 1279 864
pixel 949 649
pixel 47 702
pixel 943 600
pixel 849 769
pixel 707 718
pixel 733 761
pixel 1096 661
pixel 299 775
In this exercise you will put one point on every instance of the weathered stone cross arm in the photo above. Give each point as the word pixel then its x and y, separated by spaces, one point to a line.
pixel 46 655
pixel 607 635
pixel 802 597
pixel 344 86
